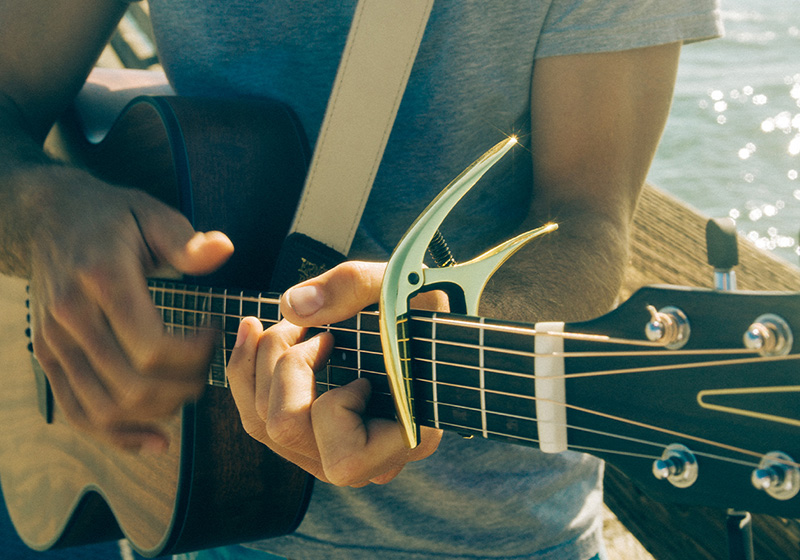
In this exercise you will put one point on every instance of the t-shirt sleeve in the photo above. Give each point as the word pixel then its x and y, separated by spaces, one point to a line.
pixel 586 26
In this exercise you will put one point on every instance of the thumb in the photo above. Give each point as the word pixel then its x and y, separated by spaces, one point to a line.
pixel 335 295
pixel 174 243
pixel 203 253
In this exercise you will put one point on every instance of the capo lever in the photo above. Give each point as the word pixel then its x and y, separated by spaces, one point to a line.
pixel 405 276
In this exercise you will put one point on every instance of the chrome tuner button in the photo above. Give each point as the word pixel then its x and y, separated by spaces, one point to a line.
pixel 676 465
pixel 777 475
pixel 668 326
pixel 769 335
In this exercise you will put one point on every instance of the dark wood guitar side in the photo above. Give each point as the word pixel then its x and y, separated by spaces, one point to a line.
pixel 216 161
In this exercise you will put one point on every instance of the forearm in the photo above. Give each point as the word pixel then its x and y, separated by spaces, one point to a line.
pixel 47 48
pixel 595 124
pixel 571 274
pixel 22 159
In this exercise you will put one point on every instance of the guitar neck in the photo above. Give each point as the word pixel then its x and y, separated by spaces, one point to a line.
pixel 472 375
pixel 729 403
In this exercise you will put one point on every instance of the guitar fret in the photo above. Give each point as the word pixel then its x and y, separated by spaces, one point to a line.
pixel 358 342
pixel 185 309
pixel 216 370
pixel 482 375
pixel 434 377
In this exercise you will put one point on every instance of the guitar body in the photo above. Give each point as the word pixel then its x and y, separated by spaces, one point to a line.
pixel 234 166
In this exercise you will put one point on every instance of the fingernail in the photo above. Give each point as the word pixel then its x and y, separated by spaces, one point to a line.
pixel 241 334
pixel 305 300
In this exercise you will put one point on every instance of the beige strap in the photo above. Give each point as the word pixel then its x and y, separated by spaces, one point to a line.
pixel 380 51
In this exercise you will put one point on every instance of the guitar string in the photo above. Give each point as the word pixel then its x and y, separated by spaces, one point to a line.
pixel 640 441
pixel 585 448
pixel 645 426
pixel 260 300
pixel 532 331
pixel 498 328
pixel 466 323
pixel 452 321
pixel 568 354
pixel 659 368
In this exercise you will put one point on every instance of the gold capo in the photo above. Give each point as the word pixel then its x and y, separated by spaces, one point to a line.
pixel 405 277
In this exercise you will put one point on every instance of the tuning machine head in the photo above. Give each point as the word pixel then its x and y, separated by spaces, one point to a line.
pixel 668 326
pixel 769 335
pixel 677 465
pixel 777 475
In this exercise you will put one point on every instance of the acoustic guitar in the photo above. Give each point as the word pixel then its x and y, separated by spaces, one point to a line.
pixel 690 392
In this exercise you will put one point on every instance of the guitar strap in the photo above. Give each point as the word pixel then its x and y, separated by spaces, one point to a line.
pixel 376 63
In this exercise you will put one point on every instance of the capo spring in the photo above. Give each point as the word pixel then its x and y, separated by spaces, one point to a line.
pixel 440 251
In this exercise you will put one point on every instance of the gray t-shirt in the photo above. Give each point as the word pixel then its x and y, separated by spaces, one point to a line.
pixel 469 88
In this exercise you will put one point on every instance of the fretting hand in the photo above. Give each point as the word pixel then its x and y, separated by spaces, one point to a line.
pixel 271 376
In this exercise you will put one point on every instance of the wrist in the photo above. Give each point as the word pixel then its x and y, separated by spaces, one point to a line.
pixel 27 204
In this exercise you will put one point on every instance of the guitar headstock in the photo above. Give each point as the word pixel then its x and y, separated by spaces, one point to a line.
pixel 693 394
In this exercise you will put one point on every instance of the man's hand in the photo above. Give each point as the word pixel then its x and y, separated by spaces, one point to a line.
pixel 113 368
pixel 271 375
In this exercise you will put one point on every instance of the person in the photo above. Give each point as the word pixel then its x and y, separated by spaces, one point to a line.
pixel 587 87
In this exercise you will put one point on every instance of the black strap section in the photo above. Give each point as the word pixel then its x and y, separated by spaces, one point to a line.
pixel 301 258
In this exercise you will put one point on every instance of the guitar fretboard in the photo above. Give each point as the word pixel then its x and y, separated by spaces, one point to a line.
pixel 472 375
pixel 185 309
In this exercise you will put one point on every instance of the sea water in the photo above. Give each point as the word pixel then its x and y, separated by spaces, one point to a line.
pixel 732 143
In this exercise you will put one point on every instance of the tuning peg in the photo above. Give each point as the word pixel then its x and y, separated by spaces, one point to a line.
pixel 723 251
pixel 769 335
pixel 677 465
pixel 668 326
pixel 777 475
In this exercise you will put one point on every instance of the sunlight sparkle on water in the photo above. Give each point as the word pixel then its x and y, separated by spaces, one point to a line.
pixel 794 146
pixel 747 151
pixel 733 144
